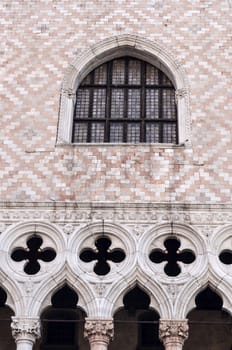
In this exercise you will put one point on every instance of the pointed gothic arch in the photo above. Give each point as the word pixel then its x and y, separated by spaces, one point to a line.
pixel 45 292
pixel 191 290
pixel 158 297
pixel 136 322
pixel 63 322
pixel 209 323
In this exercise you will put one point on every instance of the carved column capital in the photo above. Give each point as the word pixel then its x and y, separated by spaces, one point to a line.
pixel 173 333
pixel 25 328
pixel 99 330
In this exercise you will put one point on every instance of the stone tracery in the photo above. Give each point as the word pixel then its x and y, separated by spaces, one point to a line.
pixel 226 257
pixel 130 271
pixel 172 255
pixel 102 254
pixel 32 254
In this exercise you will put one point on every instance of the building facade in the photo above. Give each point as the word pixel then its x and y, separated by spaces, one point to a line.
pixel 116 149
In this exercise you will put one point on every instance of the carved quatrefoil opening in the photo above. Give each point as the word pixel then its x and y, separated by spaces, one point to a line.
pixel 32 254
pixel 226 257
pixel 172 255
pixel 102 254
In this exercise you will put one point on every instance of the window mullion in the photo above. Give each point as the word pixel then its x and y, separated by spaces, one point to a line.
pixel 90 113
pixel 160 92
pixel 108 102
pixel 125 109
pixel 143 103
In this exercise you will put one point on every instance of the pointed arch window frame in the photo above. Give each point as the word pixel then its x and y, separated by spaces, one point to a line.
pixel 116 47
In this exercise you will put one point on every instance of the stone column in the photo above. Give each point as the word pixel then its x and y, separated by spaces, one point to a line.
pixel 173 333
pixel 99 333
pixel 25 331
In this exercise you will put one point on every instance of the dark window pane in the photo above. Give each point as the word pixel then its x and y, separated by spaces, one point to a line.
pixel 100 74
pixel 168 105
pixel 133 132
pixel 118 72
pixel 152 132
pixel 152 104
pixel 87 80
pixel 97 132
pixel 166 80
pixel 82 104
pixel 99 103
pixel 134 103
pixel 116 132
pixel 152 75
pixel 134 73
pixel 117 103
pixel 80 132
pixel 169 133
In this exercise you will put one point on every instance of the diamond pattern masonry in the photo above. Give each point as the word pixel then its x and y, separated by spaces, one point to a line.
pixel 40 39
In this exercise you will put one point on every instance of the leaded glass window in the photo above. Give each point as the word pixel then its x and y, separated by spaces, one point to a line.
pixel 125 100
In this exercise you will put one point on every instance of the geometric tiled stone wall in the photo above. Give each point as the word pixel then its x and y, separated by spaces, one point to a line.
pixel 39 40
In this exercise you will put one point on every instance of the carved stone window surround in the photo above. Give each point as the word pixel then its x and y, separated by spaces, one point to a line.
pixel 119 46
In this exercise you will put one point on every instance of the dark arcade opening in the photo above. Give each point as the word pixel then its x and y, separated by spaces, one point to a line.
pixel 63 323
pixel 6 340
pixel 136 324
pixel 209 325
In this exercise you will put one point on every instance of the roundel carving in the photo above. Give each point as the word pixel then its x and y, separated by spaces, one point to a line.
pixel 98 252
pixel 32 254
pixel 221 259
pixel 172 255
pixel 102 254
pixel 172 251
pixel 34 249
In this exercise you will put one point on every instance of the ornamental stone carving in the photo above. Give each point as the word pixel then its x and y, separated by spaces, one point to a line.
pixel 180 93
pixel 78 213
pixel 25 328
pixel 101 330
pixel 173 333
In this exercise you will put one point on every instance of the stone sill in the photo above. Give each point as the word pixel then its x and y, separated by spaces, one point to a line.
pixel 128 145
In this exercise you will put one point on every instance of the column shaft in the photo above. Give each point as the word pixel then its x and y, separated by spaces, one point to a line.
pixel 24 345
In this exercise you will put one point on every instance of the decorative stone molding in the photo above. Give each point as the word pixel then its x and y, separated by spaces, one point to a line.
pixel 180 93
pixel 25 329
pixel 173 333
pixel 100 330
pixel 69 228
pixel 76 213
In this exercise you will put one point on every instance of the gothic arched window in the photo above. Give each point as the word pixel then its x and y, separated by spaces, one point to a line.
pixel 125 100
